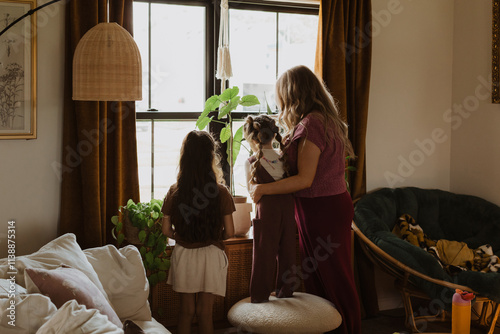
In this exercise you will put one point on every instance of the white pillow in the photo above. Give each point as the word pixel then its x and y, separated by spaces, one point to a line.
pixel 152 327
pixel 124 279
pixel 31 312
pixel 73 318
pixel 63 250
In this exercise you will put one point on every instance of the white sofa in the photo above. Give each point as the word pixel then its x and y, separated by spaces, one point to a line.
pixel 118 287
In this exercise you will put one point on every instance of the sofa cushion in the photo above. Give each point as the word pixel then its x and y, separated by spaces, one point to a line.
pixel 63 250
pixel 124 279
pixel 74 318
pixel 65 283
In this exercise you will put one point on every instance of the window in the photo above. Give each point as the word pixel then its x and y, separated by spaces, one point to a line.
pixel 178 46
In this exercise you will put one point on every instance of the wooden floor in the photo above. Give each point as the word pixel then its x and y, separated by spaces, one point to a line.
pixel 387 322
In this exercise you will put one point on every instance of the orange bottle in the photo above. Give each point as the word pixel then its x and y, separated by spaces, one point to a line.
pixel 460 312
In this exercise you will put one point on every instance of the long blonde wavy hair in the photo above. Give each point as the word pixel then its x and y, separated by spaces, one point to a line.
pixel 298 93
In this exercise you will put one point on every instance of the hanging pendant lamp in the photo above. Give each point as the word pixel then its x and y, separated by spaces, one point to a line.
pixel 107 65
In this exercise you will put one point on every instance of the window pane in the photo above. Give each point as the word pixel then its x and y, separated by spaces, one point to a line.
pixel 177 57
pixel 240 180
pixel 144 158
pixel 253 53
pixel 141 22
pixel 168 141
pixel 297 40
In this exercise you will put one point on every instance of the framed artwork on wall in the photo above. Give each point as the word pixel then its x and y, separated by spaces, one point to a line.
pixel 17 71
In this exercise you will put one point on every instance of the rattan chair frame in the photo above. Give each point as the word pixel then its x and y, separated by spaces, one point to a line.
pixel 408 289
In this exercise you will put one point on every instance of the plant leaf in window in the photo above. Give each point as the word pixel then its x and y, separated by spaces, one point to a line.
pixel 229 93
pixel 211 104
pixel 232 105
pixel 202 123
pixel 249 100
pixel 238 137
pixel 225 133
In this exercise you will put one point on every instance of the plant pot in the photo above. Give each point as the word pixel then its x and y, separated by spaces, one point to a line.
pixel 241 217
pixel 131 232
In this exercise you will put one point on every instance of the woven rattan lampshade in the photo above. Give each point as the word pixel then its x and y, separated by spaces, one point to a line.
pixel 107 65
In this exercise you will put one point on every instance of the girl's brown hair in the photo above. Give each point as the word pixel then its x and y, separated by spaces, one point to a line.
pixel 299 92
pixel 262 129
pixel 196 215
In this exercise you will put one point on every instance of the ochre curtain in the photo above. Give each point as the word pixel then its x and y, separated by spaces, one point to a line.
pixel 343 60
pixel 99 159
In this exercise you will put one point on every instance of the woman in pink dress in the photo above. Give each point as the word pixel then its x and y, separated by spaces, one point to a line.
pixel 317 145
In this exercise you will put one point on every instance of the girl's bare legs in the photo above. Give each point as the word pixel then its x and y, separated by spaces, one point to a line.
pixel 204 307
pixel 186 313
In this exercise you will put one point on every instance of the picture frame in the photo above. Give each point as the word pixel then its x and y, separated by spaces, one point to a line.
pixel 17 71
pixel 495 64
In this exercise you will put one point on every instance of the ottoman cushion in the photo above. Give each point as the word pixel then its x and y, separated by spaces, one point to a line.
pixel 302 313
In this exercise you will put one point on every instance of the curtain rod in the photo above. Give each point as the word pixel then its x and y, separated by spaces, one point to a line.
pixel 292 3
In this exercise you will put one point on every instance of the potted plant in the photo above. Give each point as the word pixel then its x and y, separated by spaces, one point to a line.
pixel 140 224
pixel 225 104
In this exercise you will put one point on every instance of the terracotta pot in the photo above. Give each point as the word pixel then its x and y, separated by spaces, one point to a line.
pixel 131 232
pixel 241 217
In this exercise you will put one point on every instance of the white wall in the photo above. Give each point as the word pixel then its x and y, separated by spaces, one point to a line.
pixel 29 188
pixel 408 142
pixel 410 91
pixel 475 149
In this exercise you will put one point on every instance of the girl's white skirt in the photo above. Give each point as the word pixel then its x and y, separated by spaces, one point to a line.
pixel 198 270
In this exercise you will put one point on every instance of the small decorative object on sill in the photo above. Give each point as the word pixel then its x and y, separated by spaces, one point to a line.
pixel 241 217
pixel 141 225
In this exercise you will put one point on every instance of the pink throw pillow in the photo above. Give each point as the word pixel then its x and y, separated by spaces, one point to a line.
pixel 66 283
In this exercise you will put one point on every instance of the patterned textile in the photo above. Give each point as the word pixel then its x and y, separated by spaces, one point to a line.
pixel 453 256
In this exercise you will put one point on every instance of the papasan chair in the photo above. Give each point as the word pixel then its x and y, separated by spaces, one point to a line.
pixel 441 215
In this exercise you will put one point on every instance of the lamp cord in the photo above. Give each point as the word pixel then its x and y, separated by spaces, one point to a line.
pixel 28 13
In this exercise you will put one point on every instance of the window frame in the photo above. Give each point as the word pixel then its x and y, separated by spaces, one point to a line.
pixel 212 84
pixel 212 19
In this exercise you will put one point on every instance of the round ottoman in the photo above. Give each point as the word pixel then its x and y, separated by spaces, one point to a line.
pixel 302 313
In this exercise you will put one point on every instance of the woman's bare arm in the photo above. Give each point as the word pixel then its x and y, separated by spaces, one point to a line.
pixel 307 163
pixel 166 227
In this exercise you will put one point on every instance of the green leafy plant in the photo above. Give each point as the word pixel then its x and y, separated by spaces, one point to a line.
pixel 141 224
pixel 225 103
pixel 347 170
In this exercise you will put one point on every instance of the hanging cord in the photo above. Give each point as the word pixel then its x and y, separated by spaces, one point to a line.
pixel 224 70
pixel 28 13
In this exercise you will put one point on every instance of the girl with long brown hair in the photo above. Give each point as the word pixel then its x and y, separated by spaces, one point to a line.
pixel 274 228
pixel 198 215
pixel 317 145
